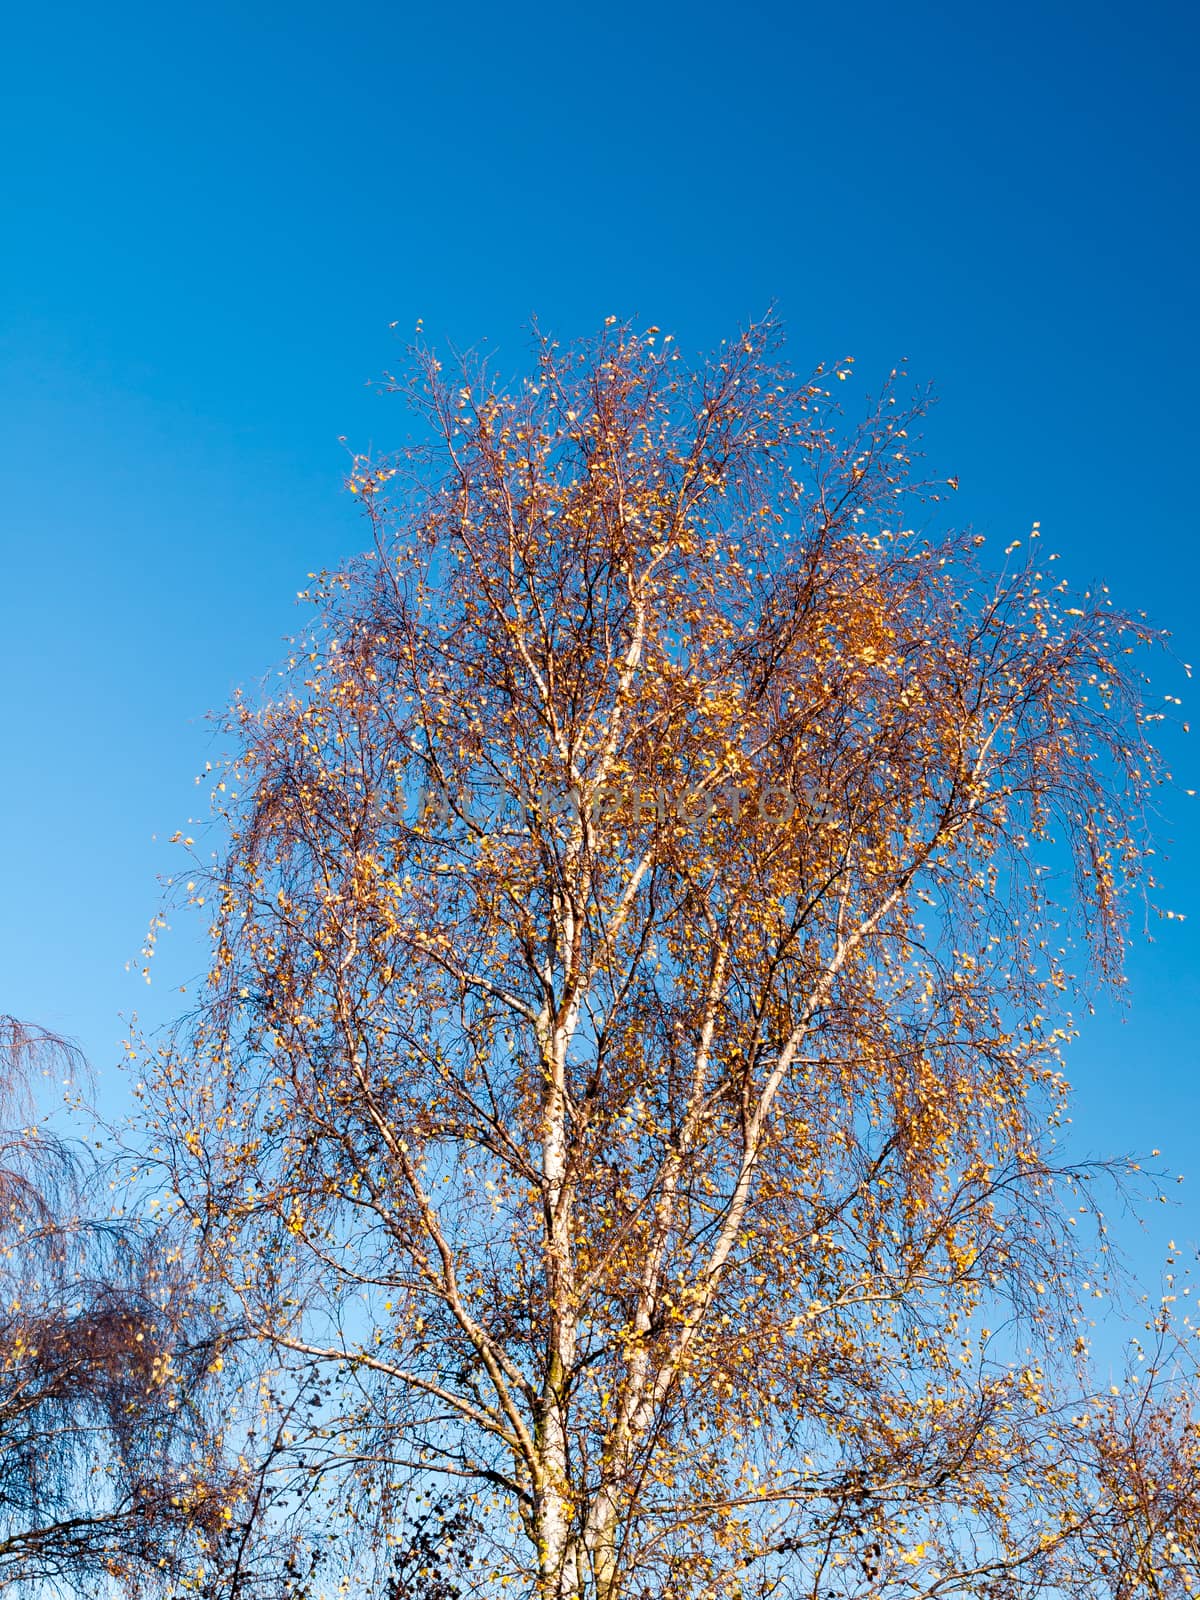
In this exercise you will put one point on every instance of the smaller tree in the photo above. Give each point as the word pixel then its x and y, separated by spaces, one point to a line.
pixel 108 1467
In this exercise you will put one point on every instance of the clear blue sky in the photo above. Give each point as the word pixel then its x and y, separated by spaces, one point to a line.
pixel 213 213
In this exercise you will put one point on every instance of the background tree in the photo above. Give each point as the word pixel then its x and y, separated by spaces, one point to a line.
pixel 108 1476
pixel 652 1130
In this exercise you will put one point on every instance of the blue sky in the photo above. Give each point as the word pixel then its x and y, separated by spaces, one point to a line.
pixel 213 214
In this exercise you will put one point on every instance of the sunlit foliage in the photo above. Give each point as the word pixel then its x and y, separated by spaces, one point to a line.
pixel 630 1070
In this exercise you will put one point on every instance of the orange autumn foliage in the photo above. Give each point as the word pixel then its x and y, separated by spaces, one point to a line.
pixel 631 1064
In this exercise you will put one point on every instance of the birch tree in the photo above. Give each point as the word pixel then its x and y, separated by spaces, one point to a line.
pixel 109 1479
pixel 631 1068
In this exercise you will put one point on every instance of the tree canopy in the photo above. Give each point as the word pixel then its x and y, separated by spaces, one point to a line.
pixel 630 1076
